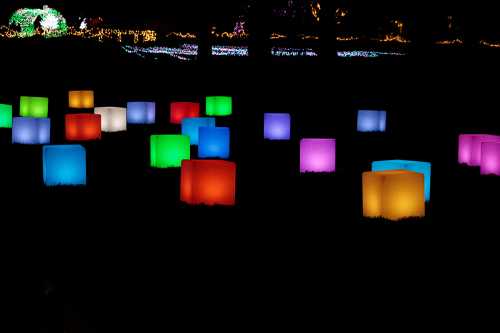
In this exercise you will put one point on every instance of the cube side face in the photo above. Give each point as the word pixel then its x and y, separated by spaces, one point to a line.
pixel 34 107
pixel 372 195
pixel 24 131
pixel 168 151
pixel 43 131
pixel 64 165
pixel 465 149
pixel 5 116
pixel 403 196
pixel 182 110
pixel 81 99
pixel 191 127
pixel 219 106
pixel 490 158
pixel 277 126
pixel 382 121
pixel 187 182
pixel 214 142
pixel 214 183
pixel 317 155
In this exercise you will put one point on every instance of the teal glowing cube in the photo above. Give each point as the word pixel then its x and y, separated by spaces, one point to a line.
pixel 219 106
pixel 191 127
pixel 64 165
pixel 34 107
pixel 214 142
pixel 5 116
pixel 415 166
pixel 168 151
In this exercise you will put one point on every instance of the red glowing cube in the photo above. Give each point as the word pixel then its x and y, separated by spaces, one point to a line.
pixel 83 127
pixel 208 182
pixel 181 110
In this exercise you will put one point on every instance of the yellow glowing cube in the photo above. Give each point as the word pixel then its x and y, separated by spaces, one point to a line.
pixel 393 195
pixel 81 99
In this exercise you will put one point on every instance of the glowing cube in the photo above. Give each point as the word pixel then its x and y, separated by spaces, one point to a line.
pixel 214 142
pixel 191 127
pixel 113 119
pixel 490 158
pixel 31 131
pixel 393 195
pixel 168 151
pixel 277 126
pixel 5 116
pixel 371 121
pixel 421 167
pixel 81 99
pixel 34 107
pixel 141 113
pixel 64 165
pixel 181 110
pixel 83 127
pixel 219 106
pixel 208 182
pixel 469 147
pixel 317 155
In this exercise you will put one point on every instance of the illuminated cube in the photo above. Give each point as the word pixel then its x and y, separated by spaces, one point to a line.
pixel 421 167
pixel 214 142
pixel 30 131
pixel 181 110
pixel 371 121
pixel 317 155
pixel 469 147
pixel 141 113
pixel 490 158
pixel 191 127
pixel 277 126
pixel 64 165
pixel 168 151
pixel 83 127
pixel 208 182
pixel 5 116
pixel 81 99
pixel 393 195
pixel 219 106
pixel 34 107
pixel 113 119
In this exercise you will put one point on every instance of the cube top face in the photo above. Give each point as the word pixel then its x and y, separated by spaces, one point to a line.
pixel 490 158
pixel 30 131
pixel 191 127
pixel 393 194
pixel 64 165
pixel 181 110
pixel 208 182
pixel 214 142
pixel 141 113
pixel 469 147
pixel 219 106
pixel 372 121
pixel 83 127
pixel 317 155
pixel 81 99
pixel 168 151
pixel 5 116
pixel 34 107
pixel 113 119
pixel 277 126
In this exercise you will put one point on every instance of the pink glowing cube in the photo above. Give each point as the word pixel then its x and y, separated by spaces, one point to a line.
pixel 317 155
pixel 490 158
pixel 469 147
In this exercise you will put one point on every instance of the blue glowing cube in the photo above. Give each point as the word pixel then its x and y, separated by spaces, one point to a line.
pixel 64 165
pixel 141 113
pixel 415 166
pixel 191 127
pixel 214 142
pixel 277 126
pixel 30 131
pixel 372 121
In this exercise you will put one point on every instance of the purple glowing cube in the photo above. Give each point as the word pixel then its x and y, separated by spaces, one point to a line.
pixel 317 155
pixel 469 147
pixel 490 158
pixel 371 121
pixel 277 126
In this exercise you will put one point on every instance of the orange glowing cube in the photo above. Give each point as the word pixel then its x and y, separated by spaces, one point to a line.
pixel 393 195
pixel 81 99
pixel 208 182
pixel 83 127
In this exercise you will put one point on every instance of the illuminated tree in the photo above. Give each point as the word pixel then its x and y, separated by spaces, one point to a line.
pixel 52 23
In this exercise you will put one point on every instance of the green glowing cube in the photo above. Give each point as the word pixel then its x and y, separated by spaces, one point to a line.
pixel 168 151
pixel 34 107
pixel 5 116
pixel 219 106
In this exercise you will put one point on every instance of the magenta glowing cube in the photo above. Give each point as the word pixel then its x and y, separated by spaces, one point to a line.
pixel 317 155
pixel 490 158
pixel 469 147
